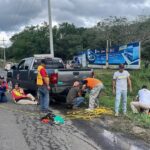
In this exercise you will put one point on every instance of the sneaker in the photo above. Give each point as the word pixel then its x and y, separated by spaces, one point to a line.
pixel 89 109
pixel 116 114
pixel 46 111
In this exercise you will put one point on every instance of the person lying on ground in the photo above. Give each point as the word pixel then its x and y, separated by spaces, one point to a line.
pixel 3 89
pixel 95 87
pixel 19 96
pixel 142 101
pixel 74 97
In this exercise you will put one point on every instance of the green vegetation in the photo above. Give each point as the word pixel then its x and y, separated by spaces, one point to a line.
pixel 69 39
pixel 139 78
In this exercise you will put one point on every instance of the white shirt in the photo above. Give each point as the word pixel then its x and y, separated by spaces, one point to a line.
pixel 121 79
pixel 144 96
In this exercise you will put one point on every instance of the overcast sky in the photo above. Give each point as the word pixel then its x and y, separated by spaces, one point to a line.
pixel 15 14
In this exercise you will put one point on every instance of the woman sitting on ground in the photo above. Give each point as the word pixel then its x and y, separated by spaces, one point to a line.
pixel 20 97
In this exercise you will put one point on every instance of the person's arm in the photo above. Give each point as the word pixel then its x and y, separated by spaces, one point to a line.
pixel 114 86
pixel 114 83
pixel 13 96
pixel 129 84
pixel 45 78
pixel 79 93
pixel 84 87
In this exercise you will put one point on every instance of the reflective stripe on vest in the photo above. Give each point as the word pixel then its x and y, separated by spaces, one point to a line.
pixel 39 77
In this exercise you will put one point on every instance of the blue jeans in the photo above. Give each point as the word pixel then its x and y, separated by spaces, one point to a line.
pixel 121 94
pixel 77 101
pixel 3 98
pixel 44 98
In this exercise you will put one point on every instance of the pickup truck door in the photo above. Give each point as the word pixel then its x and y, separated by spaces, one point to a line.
pixel 15 73
pixel 19 73
pixel 24 71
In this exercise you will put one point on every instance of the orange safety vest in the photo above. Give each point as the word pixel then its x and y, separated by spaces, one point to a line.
pixel 39 77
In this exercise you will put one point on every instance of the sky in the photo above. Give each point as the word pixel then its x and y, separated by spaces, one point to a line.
pixel 16 14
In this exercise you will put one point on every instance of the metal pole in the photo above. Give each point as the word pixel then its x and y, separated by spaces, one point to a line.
pixel 4 50
pixel 50 29
pixel 107 47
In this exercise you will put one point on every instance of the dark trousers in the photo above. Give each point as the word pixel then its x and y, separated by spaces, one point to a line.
pixel 3 98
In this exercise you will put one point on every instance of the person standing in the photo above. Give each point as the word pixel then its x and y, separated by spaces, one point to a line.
pixel 43 86
pixel 95 87
pixel 121 79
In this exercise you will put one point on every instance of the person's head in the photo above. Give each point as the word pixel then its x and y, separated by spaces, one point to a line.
pixel 144 87
pixel 17 85
pixel 76 84
pixel 121 67
pixel 43 62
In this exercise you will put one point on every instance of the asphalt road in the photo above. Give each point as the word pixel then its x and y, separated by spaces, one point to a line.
pixel 21 129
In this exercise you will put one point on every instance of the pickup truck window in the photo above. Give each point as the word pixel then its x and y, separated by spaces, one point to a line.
pixel 28 63
pixel 50 63
pixel 21 65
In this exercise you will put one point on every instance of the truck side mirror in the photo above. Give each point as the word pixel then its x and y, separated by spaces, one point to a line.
pixel 14 67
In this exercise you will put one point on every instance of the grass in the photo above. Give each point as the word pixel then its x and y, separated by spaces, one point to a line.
pixel 138 78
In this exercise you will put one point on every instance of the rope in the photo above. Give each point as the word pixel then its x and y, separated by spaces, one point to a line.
pixel 88 115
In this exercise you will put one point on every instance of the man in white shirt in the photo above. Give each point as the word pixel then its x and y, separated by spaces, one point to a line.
pixel 143 101
pixel 121 79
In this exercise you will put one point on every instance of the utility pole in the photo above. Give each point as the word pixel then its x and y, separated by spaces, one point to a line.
pixel 50 29
pixel 107 48
pixel 4 54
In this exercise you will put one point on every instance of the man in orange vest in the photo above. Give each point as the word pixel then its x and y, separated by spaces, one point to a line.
pixel 95 87
pixel 43 86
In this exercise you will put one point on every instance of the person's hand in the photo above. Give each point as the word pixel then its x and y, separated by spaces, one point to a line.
pixel 48 87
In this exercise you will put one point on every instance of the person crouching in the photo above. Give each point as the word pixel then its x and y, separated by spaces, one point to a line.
pixel 74 98
pixel 95 87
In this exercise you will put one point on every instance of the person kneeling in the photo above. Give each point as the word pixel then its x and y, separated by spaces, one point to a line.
pixel 142 101
pixel 74 98
pixel 20 97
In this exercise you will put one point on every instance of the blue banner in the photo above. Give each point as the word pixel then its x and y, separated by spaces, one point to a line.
pixel 127 54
